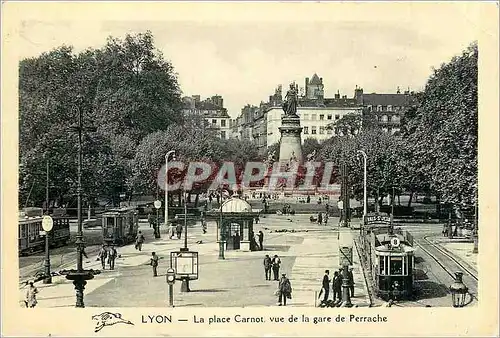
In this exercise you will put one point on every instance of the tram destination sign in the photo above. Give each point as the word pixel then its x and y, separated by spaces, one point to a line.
pixel 377 219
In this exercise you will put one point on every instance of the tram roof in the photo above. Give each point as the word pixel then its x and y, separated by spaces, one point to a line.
pixel 119 210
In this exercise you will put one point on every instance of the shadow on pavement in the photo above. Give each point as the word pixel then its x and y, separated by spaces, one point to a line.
pixel 428 289
pixel 281 248
pixel 208 290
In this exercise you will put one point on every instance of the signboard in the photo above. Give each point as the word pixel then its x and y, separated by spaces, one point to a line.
pixel 395 242
pixel 377 219
pixel 47 223
pixel 157 204
pixel 185 264
pixel 345 255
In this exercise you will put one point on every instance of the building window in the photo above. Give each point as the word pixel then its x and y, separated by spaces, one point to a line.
pixel 329 117
pixel 222 123
pixel 306 130
pixel 321 117
pixel 223 134
pixel 321 130
pixel 313 117
pixel 313 130
pixel 389 118
pixel 214 121
pixel 337 116
pixel 306 116
pixel 383 118
pixel 329 131
pixel 369 108
pixel 379 108
pixel 389 108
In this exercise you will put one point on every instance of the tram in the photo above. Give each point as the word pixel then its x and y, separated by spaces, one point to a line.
pixel 119 226
pixel 30 226
pixel 390 255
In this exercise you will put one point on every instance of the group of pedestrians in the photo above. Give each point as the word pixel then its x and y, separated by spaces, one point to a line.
pixel 336 283
pixel 108 253
pixel 284 291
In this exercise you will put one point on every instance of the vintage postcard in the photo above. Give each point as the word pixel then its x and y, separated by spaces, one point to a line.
pixel 250 169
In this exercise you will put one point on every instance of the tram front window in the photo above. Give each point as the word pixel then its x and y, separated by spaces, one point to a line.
pixel 396 266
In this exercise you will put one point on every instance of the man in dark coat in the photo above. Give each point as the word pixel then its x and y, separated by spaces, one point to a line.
pixel 276 262
pixel 337 286
pixel 267 267
pixel 154 263
pixel 261 240
pixel 326 285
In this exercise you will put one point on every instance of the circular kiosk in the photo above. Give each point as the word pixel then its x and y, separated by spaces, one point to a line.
pixel 235 224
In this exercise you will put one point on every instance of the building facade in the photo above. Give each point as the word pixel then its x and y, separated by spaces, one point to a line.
pixel 317 113
pixel 387 109
pixel 212 109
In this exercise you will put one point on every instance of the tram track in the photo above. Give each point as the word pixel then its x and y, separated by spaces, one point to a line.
pixel 449 264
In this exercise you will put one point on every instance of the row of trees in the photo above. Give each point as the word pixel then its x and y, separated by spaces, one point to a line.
pixel 130 93
pixel 436 150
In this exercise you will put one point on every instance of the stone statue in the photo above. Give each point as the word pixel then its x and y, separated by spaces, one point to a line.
pixel 293 158
pixel 271 158
pixel 291 101
pixel 310 157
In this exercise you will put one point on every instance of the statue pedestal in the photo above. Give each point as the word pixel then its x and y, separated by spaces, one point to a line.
pixel 290 142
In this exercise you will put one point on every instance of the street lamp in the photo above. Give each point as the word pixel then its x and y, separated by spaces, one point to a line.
pixel 221 230
pixel 364 184
pixel 47 225
pixel 185 280
pixel 167 156
pixel 80 276
pixel 157 205
pixel 458 290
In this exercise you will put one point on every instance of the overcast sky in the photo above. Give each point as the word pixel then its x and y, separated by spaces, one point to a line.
pixel 244 60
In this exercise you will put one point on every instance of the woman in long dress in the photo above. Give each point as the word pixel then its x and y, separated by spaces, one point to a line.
pixel 31 295
pixel 290 106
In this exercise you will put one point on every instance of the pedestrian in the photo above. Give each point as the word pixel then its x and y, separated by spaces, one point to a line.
pixel 276 262
pixel 111 257
pixel 154 263
pixel 178 230
pixel 103 253
pixel 204 225
pixel 326 286
pixel 308 200
pixel 84 253
pixel 171 230
pixel 139 241
pixel 285 290
pixel 31 295
pixel 337 286
pixel 150 219
pixel 350 277
pixel 320 218
pixel 267 267
pixel 325 220
pixel 261 240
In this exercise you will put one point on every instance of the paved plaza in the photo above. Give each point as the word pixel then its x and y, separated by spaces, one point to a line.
pixel 236 281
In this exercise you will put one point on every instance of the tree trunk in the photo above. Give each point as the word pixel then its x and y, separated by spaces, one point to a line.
pixel 410 199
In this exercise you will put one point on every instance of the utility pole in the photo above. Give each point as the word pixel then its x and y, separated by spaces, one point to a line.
pixel 48 275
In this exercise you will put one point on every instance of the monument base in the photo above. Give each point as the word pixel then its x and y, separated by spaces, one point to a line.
pixel 290 142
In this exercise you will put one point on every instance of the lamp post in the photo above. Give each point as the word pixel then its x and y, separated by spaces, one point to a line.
pixel 364 184
pixel 80 276
pixel 47 226
pixel 167 156
pixel 221 230
pixel 458 290
pixel 185 280
pixel 157 205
